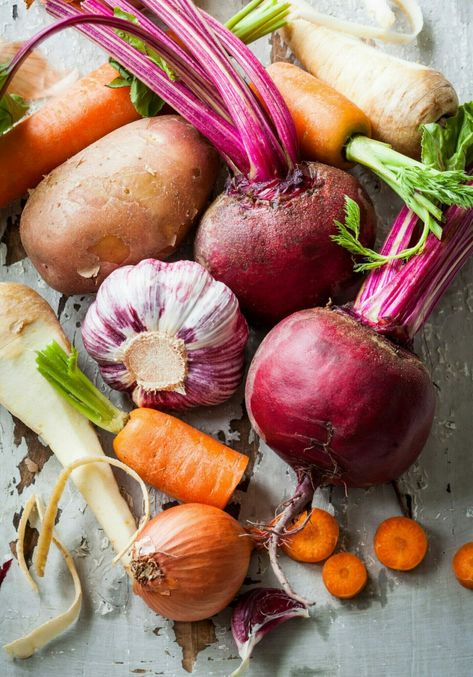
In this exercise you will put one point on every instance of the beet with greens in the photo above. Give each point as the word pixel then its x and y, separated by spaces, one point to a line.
pixel 269 236
pixel 338 393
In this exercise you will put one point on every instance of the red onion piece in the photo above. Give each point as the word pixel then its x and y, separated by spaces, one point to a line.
pixel 257 613
pixel 4 570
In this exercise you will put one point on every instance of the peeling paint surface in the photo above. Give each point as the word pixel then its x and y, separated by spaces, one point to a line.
pixel 416 624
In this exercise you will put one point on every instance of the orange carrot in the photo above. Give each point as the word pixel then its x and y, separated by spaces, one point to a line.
pixel 316 540
pixel 463 565
pixel 62 127
pixel 178 459
pixel 400 543
pixel 344 575
pixel 325 120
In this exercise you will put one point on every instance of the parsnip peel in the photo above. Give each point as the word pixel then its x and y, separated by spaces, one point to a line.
pixel 20 544
pixel 383 15
pixel 26 646
pixel 45 536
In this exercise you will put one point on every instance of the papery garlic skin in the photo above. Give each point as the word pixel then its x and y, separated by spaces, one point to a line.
pixel 168 333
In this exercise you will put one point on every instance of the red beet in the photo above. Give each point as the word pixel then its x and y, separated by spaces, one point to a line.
pixel 338 402
pixel 332 396
pixel 276 255
pixel 333 391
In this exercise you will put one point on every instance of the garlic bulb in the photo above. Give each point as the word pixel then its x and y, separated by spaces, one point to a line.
pixel 168 333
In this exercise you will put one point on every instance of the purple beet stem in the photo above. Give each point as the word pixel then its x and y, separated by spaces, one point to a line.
pixel 257 140
pixel 398 298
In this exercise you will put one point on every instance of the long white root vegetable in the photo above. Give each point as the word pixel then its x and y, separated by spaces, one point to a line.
pixel 397 96
pixel 28 324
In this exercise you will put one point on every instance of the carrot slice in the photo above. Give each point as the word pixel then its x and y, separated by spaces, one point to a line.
pixel 316 540
pixel 344 575
pixel 400 543
pixel 463 565
pixel 178 459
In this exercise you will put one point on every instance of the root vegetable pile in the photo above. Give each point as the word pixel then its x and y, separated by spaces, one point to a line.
pixel 335 388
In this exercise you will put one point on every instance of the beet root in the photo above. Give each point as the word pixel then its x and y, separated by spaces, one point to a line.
pixel 337 401
pixel 276 255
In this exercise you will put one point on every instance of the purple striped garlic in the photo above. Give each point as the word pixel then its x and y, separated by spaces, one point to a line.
pixel 168 333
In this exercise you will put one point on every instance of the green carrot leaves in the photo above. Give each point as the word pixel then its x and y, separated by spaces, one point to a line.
pixel 448 145
pixel 259 18
pixel 348 237
pixel 349 234
pixel 448 187
pixel 12 106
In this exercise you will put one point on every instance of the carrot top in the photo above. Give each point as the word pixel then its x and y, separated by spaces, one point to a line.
pixel 400 543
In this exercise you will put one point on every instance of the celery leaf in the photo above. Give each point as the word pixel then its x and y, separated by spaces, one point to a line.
pixel 448 145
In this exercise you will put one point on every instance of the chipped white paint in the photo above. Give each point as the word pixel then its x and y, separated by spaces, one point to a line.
pixel 417 624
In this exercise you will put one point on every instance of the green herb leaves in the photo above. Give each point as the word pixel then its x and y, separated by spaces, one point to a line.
pixel 449 144
pixel 440 179
pixel 12 106
pixel 146 102
pixel 348 238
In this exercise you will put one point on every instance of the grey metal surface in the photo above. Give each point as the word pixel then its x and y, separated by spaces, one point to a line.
pixel 416 624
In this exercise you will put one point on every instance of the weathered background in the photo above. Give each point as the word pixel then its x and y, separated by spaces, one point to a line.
pixel 417 624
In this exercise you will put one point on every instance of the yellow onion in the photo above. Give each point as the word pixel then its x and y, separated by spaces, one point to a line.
pixel 190 561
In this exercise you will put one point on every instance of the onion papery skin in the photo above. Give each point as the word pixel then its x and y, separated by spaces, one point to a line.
pixel 202 555
pixel 181 303
pixel 334 398
pixel 276 254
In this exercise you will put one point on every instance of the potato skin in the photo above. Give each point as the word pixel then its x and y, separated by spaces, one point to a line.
pixel 132 195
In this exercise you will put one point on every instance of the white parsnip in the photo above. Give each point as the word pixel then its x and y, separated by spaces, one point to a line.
pixel 27 325
pixel 397 95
